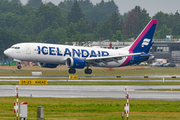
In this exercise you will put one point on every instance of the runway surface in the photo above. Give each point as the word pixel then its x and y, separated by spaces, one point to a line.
pixel 149 76
pixel 88 91
pixel 100 80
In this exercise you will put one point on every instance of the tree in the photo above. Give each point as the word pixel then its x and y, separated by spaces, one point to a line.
pixel 101 5
pixel 108 7
pixel 111 7
pixel 103 31
pixel 114 20
pixel 71 30
pixel 174 23
pixel 62 5
pixel 93 25
pixel 75 14
pixel 8 38
pixel 162 19
pixel 69 4
pixel 135 21
pixel 85 5
pixel 176 30
pixel 82 26
pixel 82 41
pixel 130 23
pixel 96 14
pixel 44 17
pixel 59 35
pixel 16 1
pixel 76 38
pixel 34 3
pixel 10 19
pixel 50 4
pixel 143 20
pixel 117 36
pixel 49 35
pixel 4 5
pixel 161 34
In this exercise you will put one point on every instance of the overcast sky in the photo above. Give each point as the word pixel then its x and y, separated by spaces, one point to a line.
pixel 152 6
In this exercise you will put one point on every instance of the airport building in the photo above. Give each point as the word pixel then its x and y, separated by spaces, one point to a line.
pixel 169 50
pixel 161 49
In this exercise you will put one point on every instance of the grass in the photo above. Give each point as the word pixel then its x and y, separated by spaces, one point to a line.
pixel 98 72
pixel 101 72
pixel 92 109
pixel 97 83
pixel 95 109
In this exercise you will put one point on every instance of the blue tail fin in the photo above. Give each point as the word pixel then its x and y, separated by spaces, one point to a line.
pixel 144 41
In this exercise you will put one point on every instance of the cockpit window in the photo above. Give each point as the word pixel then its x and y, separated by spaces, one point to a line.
pixel 15 47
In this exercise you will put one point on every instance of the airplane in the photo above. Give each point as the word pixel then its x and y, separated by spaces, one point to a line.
pixel 78 57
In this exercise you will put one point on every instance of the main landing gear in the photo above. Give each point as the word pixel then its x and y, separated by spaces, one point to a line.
pixel 73 71
pixel 88 71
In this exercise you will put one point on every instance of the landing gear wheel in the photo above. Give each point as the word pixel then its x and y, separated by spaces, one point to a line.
pixel 88 71
pixel 72 70
pixel 19 67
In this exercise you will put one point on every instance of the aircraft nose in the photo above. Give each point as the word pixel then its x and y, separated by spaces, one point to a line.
pixel 7 52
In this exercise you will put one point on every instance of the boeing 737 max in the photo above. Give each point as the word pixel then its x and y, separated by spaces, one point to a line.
pixel 77 57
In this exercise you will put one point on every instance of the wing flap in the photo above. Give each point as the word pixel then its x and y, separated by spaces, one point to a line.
pixel 106 59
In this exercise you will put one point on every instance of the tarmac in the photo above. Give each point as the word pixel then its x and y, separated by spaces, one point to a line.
pixel 93 91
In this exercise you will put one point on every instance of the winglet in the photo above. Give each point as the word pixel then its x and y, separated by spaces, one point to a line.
pixel 144 40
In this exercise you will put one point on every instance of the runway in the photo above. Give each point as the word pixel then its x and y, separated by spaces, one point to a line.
pixel 14 80
pixel 95 91
pixel 47 77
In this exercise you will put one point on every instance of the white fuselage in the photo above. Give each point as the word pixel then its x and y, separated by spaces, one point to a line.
pixel 57 54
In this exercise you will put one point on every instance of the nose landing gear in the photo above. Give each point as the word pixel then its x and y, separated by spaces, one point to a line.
pixel 19 65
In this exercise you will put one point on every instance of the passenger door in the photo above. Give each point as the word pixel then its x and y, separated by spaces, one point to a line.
pixel 28 49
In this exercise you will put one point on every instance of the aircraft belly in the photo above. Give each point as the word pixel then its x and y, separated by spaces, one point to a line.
pixel 49 59
pixel 46 59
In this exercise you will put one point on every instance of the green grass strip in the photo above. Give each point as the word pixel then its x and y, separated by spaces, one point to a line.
pixel 91 109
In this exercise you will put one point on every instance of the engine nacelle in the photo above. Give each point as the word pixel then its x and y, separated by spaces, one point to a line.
pixel 48 65
pixel 75 62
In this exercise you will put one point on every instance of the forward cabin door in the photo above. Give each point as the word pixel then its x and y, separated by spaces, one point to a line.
pixel 28 49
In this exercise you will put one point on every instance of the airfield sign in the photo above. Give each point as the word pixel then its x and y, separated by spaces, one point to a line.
pixel 31 82
pixel 40 82
pixel 26 82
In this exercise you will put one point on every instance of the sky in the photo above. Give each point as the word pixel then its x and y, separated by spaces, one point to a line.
pixel 152 6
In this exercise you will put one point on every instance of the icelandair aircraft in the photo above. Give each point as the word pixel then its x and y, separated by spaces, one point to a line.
pixel 77 57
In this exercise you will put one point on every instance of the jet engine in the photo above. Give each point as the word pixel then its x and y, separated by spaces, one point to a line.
pixel 48 65
pixel 75 62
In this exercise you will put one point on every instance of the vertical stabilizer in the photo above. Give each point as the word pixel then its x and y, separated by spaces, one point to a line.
pixel 144 41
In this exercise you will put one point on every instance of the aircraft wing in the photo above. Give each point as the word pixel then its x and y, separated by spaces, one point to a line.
pixel 106 59
pixel 16 60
